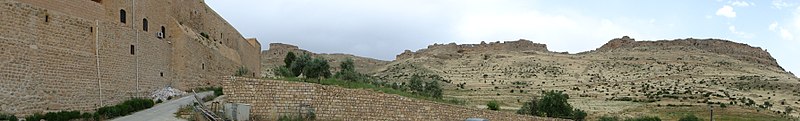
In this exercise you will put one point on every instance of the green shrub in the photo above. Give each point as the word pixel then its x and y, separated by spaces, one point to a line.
pixel 242 71
pixel 298 64
pixel 689 117
pixel 34 117
pixel 282 71
pixel 530 108
pixel 578 115
pixel 125 108
pixel 8 117
pixel 493 105
pixel 645 118
pixel 62 115
pixel 416 84
pixel 608 118
pixel 317 68
pixel 552 104
pixel 204 35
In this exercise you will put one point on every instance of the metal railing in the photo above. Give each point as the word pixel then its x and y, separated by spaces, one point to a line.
pixel 209 115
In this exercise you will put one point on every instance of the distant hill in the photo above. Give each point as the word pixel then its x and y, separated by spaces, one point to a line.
pixel 621 75
pixel 274 56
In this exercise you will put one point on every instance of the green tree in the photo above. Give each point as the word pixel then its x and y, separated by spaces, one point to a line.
pixel 282 71
pixel 347 71
pixel 433 89
pixel 554 104
pixel 317 68
pixel 689 117
pixel 493 105
pixel 416 84
pixel 347 65
pixel 298 64
pixel 530 108
pixel 290 57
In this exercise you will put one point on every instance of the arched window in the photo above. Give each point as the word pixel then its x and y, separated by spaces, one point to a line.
pixel 121 15
pixel 144 24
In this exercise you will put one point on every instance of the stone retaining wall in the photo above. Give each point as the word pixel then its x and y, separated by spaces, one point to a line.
pixel 271 99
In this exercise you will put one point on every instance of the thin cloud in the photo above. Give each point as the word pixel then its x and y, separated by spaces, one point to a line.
pixel 739 33
pixel 742 3
pixel 780 4
pixel 726 11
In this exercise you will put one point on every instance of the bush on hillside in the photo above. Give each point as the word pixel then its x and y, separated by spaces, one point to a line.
pixel 689 117
pixel 609 118
pixel 579 115
pixel 552 104
pixel 644 118
pixel 493 105
pixel 282 72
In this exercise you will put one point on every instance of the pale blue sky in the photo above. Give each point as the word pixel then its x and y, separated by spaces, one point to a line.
pixel 382 29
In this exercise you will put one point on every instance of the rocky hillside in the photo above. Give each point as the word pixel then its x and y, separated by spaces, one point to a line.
pixel 274 56
pixel 623 74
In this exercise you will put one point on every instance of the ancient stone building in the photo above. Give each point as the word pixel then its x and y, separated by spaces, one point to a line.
pixel 83 54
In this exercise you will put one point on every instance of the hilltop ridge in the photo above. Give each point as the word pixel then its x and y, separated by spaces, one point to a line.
pixel 740 51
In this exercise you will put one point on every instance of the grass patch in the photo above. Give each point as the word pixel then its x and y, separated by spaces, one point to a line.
pixel 368 86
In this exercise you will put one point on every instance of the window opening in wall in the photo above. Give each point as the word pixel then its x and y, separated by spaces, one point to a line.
pixel 204 66
pixel 163 31
pixel 47 18
pixel 144 24
pixel 122 16
pixel 91 29
pixel 162 74
pixel 98 1
pixel 132 50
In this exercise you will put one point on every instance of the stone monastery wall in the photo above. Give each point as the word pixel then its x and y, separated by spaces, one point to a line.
pixel 271 99
pixel 79 55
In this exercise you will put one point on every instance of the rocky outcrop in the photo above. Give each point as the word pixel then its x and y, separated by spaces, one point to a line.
pixel 739 51
pixel 451 50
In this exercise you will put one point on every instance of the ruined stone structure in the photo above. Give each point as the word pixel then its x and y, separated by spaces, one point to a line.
pixel 739 51
pixel 271 99
pixel 84 54
pixel 452 50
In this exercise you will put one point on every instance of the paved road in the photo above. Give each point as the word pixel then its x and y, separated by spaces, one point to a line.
pixel 162 112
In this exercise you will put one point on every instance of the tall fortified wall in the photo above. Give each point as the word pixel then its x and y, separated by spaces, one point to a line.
pixel 83 54
pixel 739 51
pixel 271 99
pixel 452 49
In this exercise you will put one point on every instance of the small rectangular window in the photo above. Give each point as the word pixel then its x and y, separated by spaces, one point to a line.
pixel 132 50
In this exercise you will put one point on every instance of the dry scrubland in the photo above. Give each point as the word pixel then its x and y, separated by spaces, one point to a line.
pixel 620 77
